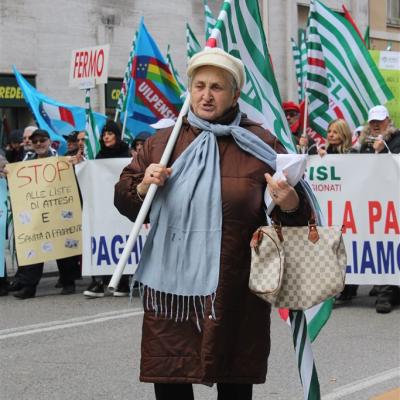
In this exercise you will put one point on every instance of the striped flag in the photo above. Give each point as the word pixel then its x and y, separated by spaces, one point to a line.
pixel 239 32
pixel 92 138
pixel 300 63
pixel 192 44
pixel 335 50
pixel 174 71
pixel 209 20
pixel 304 355
pixel 121 103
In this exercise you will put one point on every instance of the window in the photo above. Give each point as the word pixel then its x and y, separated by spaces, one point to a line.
pixel 393 12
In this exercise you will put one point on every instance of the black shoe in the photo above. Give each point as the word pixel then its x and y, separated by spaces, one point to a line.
pixel 374 291
pixel 58 284
pixel 95 289
pixel 14 286
pixel 383 306
pixel 3 290
pixel 68 289
pixel 26 292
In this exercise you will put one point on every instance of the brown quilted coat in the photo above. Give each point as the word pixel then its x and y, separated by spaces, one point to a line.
pixel 234 348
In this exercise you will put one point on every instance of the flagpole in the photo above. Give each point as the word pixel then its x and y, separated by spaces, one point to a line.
pixel 147 202
pixel 116 115
pixel 305 114
pixel 124 123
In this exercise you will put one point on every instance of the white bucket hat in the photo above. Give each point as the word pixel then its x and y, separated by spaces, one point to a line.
pixel 217 57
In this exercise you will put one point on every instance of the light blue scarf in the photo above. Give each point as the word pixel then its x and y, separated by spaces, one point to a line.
pixel 181 255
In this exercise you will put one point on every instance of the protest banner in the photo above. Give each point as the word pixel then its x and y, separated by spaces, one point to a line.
pixel 3 222
pixel 388 63
pixel 46 208
pixel 362 193
pixel 105 230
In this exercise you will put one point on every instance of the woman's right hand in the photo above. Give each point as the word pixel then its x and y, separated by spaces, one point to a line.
pixel 155 173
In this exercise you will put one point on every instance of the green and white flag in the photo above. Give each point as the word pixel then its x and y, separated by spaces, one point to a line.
pixel 239 31
pixel 300 64
pixel 343 80
pixel 174 71
pixel 92 137
pixel 209 20
pixel 121 103
pixel 192 44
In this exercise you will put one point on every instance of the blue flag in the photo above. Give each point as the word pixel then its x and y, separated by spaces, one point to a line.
pixel 57 118
pixel 153 91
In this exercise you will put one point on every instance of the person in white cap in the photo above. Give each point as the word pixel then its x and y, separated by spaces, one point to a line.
pixel 201 322
pixel 380 135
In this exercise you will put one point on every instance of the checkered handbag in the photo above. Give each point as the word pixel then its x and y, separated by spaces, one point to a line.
pixel 297 267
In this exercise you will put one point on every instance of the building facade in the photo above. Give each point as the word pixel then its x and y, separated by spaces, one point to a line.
pixel 38 37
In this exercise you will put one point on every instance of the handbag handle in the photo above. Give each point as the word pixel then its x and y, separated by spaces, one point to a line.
pixel 313 235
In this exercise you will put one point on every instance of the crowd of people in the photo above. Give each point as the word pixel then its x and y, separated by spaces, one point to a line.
pixel 379 135
pixel 195 323
pixel 34 143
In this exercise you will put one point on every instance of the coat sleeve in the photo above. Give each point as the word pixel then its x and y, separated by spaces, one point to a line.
pixel 126 198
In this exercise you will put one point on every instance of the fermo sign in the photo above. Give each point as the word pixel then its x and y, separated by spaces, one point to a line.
pixel 89 66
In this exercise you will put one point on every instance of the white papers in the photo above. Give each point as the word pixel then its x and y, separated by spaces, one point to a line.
pixel 290 167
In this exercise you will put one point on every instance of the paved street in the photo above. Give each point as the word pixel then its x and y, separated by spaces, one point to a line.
pixel 68 347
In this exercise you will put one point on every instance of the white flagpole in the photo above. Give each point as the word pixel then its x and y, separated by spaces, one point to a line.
pixel 124 124
pixel 147 201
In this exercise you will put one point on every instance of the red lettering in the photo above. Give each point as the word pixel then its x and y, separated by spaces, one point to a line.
pixel 62 166
pixel 348 218
pixel 23 176
pixel 85 60
pixel 391 221
pixel 80 65
pixel 92 61
pixel 53 171
pixel 35 167
pixel 375 214
pixel 329 212
pixel 76 63
pixel 101 54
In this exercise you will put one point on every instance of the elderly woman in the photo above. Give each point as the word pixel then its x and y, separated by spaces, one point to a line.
pixel 338 139
pixel 201 323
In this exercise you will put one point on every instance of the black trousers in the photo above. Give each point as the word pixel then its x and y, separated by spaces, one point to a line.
pixel 69 269
pixel 226 391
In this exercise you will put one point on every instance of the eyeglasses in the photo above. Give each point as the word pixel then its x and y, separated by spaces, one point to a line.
pixel 291 114
pixel 42 140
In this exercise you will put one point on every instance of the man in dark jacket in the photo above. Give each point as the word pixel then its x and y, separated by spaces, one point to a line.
pixel 380 136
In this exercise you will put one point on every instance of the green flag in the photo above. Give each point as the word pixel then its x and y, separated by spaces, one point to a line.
pixel 343 80
pixel 92 138
pixel 239 31
pixel 192 44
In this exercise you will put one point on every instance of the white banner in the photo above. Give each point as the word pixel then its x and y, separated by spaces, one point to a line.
pixel 359 191
pixel 105 231
pixel 89 66
pixel 362 193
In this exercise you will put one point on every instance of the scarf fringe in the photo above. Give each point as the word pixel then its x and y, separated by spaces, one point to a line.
pixel 175 307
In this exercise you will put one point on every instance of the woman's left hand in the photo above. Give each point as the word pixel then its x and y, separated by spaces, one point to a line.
pixel 282 193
